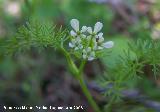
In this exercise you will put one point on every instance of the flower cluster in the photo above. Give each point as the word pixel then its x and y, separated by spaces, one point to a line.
pixel 87 40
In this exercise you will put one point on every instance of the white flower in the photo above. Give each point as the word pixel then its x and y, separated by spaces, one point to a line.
pixel 108 44
pixel 76 31
pixel 75 24
pixel 84 29
pixel 100 35
pixel 76 44
pixel 88 44
pixel 71 45
pixel 89 29
pixel 101 44
pixel 98 26
pixel 100 38
pixel 73 33
pixel 88 54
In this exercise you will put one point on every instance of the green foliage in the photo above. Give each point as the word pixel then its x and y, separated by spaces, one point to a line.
pixel 147 51
pixel 131 67
pixel 34 34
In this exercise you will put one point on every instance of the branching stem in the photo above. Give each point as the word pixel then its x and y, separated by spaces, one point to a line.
pixel 77 73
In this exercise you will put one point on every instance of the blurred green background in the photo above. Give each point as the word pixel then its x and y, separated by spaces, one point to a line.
pixel 41 77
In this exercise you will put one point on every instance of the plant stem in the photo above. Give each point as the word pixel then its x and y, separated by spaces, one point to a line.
pixel 77 73
pixel 72 67
pixel 88 95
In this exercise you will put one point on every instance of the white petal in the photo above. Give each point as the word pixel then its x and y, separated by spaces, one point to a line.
pixel 89 29
pixel 90 58
pixel 71 45
pixel 84 29
pixel 76 48
pixel 100 35
pixel 75 24
pixel 98 26
pixel 73 33
pixel 84 56
pixel 88 49
pixel 96 36
pixel 83 36
pixel 101 40
pixel 108 44
pixel 78 39
pixel 80 46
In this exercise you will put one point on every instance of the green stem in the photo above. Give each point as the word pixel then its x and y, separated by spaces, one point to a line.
pixel 72 67
pixel 81 68
pixel 88 95
pixel 78 75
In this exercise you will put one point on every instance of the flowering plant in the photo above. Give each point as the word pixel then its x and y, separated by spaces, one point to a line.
pixel 87 41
